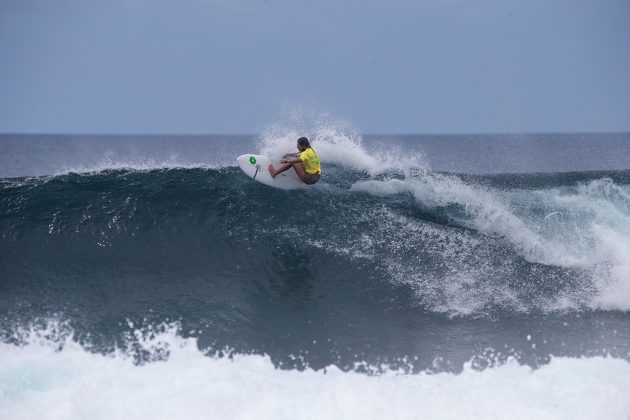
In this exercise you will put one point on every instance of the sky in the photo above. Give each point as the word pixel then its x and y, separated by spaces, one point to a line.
pixel 387 67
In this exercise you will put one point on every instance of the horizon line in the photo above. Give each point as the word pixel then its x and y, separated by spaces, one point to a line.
pixel 532 133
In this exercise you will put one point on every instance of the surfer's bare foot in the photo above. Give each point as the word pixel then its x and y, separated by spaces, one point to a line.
pixel 272 170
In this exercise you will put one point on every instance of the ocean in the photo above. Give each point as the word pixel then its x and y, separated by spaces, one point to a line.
pixel 424 276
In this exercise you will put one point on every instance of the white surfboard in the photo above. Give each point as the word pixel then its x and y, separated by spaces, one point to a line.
pixel 256 167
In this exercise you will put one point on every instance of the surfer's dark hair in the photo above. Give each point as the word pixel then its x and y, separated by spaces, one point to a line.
pixel 303 141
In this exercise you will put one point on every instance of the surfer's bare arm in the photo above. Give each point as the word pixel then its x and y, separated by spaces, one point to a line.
pixel 291 160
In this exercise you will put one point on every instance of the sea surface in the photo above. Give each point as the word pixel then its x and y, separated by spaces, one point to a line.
pixel 479 276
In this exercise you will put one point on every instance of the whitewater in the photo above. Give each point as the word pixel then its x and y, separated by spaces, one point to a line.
pixel 40 380
pixel 423 277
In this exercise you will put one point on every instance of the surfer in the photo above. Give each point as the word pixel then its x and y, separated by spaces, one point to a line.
pixel 305 163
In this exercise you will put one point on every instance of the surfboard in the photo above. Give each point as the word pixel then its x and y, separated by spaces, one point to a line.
pixel 256 167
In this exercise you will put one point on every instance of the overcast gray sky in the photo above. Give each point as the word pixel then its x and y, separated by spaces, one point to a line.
pixel 398 66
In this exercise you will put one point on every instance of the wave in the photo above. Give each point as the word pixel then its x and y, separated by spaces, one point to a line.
pixel 49 374
pixel 464 247
pixel 185 288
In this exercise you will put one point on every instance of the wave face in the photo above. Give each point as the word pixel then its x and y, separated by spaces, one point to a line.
pixel 464 247
pixel 385 267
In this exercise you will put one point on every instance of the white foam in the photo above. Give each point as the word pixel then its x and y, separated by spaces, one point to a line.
pixel 335 141
pixel 598 214
pixel 489 214
pixel 40 381
pixel 585 228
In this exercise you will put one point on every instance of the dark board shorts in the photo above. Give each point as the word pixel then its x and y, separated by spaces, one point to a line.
pixel 310 179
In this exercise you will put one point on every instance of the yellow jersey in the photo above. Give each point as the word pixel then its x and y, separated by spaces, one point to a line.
pixel 311 161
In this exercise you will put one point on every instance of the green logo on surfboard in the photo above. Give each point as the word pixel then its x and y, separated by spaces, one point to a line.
pixel 252 160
